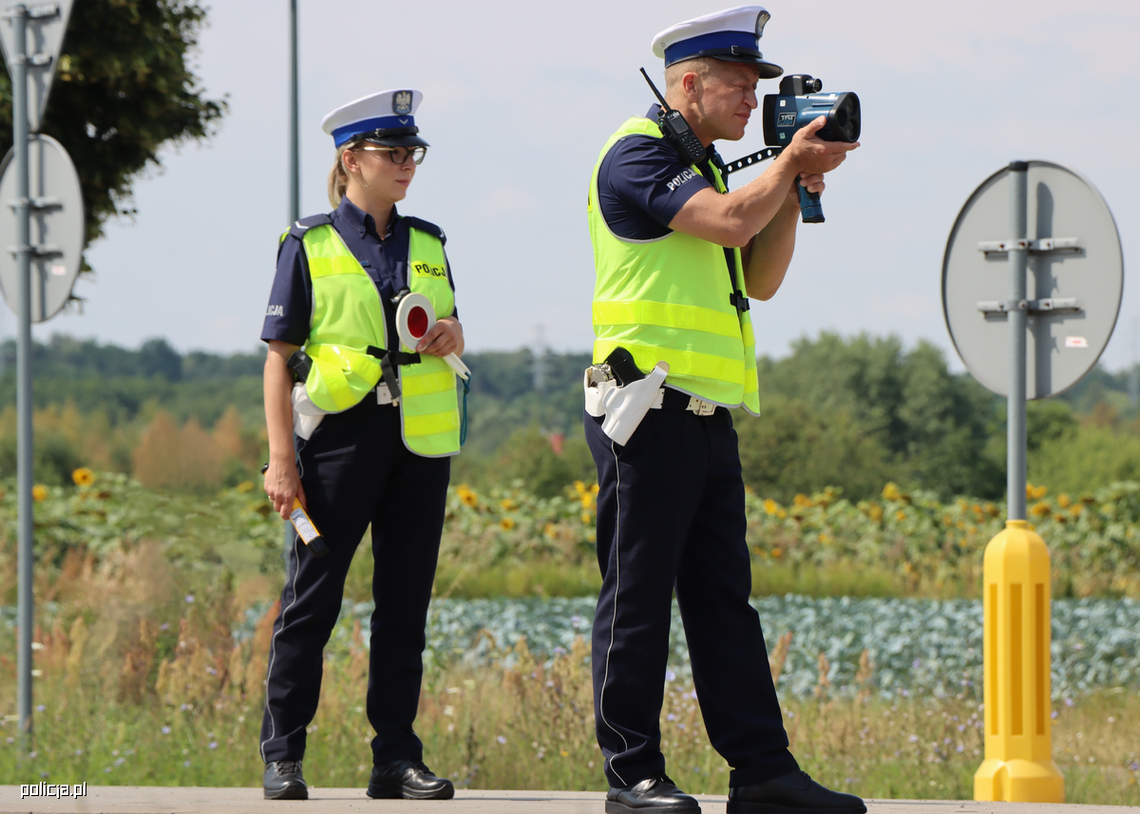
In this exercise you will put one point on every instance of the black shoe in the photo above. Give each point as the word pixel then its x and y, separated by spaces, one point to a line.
pixel 794 793
pixel 408 780
pixel 283 781
pixel 653 795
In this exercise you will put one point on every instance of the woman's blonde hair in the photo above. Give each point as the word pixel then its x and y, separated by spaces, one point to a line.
pixel 338 175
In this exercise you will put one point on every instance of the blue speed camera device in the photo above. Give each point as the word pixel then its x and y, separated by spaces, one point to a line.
pixel 799 103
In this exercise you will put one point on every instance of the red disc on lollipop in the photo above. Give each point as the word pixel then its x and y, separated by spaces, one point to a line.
pixel 417 322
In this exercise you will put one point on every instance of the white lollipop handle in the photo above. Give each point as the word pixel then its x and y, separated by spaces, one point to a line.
pixel 457 365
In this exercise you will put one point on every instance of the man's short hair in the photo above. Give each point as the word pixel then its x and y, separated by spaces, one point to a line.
pixel 701 66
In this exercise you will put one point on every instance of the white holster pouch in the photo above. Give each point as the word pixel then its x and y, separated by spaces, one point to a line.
pixel 624 407
pixel 306 415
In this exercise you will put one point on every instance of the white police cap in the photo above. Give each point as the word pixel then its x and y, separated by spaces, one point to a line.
pixel 387 117
pixel 732 35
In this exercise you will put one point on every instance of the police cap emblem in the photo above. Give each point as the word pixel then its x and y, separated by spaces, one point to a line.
pixel 402 102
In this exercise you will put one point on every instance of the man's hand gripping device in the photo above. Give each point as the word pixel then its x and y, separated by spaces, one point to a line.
pixel 798 104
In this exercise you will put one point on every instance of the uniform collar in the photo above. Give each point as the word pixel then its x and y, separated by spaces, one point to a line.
pixel 360 221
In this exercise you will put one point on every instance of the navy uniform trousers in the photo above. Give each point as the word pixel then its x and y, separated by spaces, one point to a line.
pixel 671 518
pixel 356 470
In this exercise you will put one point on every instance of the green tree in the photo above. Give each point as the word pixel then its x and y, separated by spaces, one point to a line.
pixel 794 448
pixel 123 89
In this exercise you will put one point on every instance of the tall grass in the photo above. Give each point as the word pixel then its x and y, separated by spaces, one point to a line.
pixel 142 682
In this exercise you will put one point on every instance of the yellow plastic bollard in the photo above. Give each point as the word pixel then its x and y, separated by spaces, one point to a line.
pixel 1019 763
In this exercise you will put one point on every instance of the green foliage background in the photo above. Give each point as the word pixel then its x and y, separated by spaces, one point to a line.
pixel 124 88
pixel 852 413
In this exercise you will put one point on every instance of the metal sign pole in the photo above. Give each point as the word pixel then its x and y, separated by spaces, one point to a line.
pixel 294 179
pixel 26 605
pixel 1018 262
pixel 294 134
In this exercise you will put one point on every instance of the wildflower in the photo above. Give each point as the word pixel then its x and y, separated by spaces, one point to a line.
pixel 564 753
pixel 507 504
pixel 670 675
pixel 594 489
pixel 244 486
pixel 900 515
pixel 186 763
pixel 39 492
pixel 580 487
pixel 777 553
pixel 585 517
pixel 213 744
pixel 875 512
pixel 166 730
pixel 83 476
pixel 189 599
pixel 587 500
pixel 40 708
pixel 550 530
pixel 501 740
pixel 507 523
pixel 670 717
pixel 468 497
pixel 803 501
pixel 1041 509
pixel 891 492
pixel 1063 500
pixel 771 506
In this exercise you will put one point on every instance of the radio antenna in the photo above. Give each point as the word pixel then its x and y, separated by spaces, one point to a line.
pixel 656 92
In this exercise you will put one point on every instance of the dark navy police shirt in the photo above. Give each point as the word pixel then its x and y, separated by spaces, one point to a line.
pixel 384 259
pixel 642 184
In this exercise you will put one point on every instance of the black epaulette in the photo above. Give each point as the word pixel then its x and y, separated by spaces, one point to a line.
pixel 299 228
pixel 424 226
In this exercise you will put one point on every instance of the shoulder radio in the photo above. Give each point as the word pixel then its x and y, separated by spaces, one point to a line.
pixel 676 130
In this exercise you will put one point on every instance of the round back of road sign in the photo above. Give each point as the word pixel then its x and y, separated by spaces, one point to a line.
pixel 56 227
pixel 1075 280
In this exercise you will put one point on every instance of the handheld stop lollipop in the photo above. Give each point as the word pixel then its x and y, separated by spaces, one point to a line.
pixel 415 316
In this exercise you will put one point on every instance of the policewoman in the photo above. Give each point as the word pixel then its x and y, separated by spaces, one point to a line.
pixel 677 258
pixel 361 428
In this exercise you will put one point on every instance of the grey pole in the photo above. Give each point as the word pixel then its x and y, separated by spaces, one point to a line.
pixel 294 132
pixel 294 178
pixel 1018 314
pixel 23 379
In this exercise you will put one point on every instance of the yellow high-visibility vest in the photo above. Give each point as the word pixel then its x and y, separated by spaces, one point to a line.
pixel 348 320
pixel 670 300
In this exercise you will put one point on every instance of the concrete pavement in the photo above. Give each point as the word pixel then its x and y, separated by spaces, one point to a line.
pixel 201 800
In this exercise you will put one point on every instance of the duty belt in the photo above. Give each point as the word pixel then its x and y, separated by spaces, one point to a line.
pixel 676 400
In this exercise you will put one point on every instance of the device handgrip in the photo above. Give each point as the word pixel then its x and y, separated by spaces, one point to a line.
pixel 810 207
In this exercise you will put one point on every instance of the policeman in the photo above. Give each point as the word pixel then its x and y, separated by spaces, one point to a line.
pixel 674 254
pixel 361 428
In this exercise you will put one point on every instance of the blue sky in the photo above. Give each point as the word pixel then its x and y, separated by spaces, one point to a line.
pixel 519 99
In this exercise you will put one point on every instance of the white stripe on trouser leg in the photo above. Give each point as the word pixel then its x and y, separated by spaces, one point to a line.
pixel 613 622
pixel 273 641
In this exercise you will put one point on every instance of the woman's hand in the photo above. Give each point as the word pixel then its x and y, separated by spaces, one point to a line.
pixel 283 484
pixel 445 337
